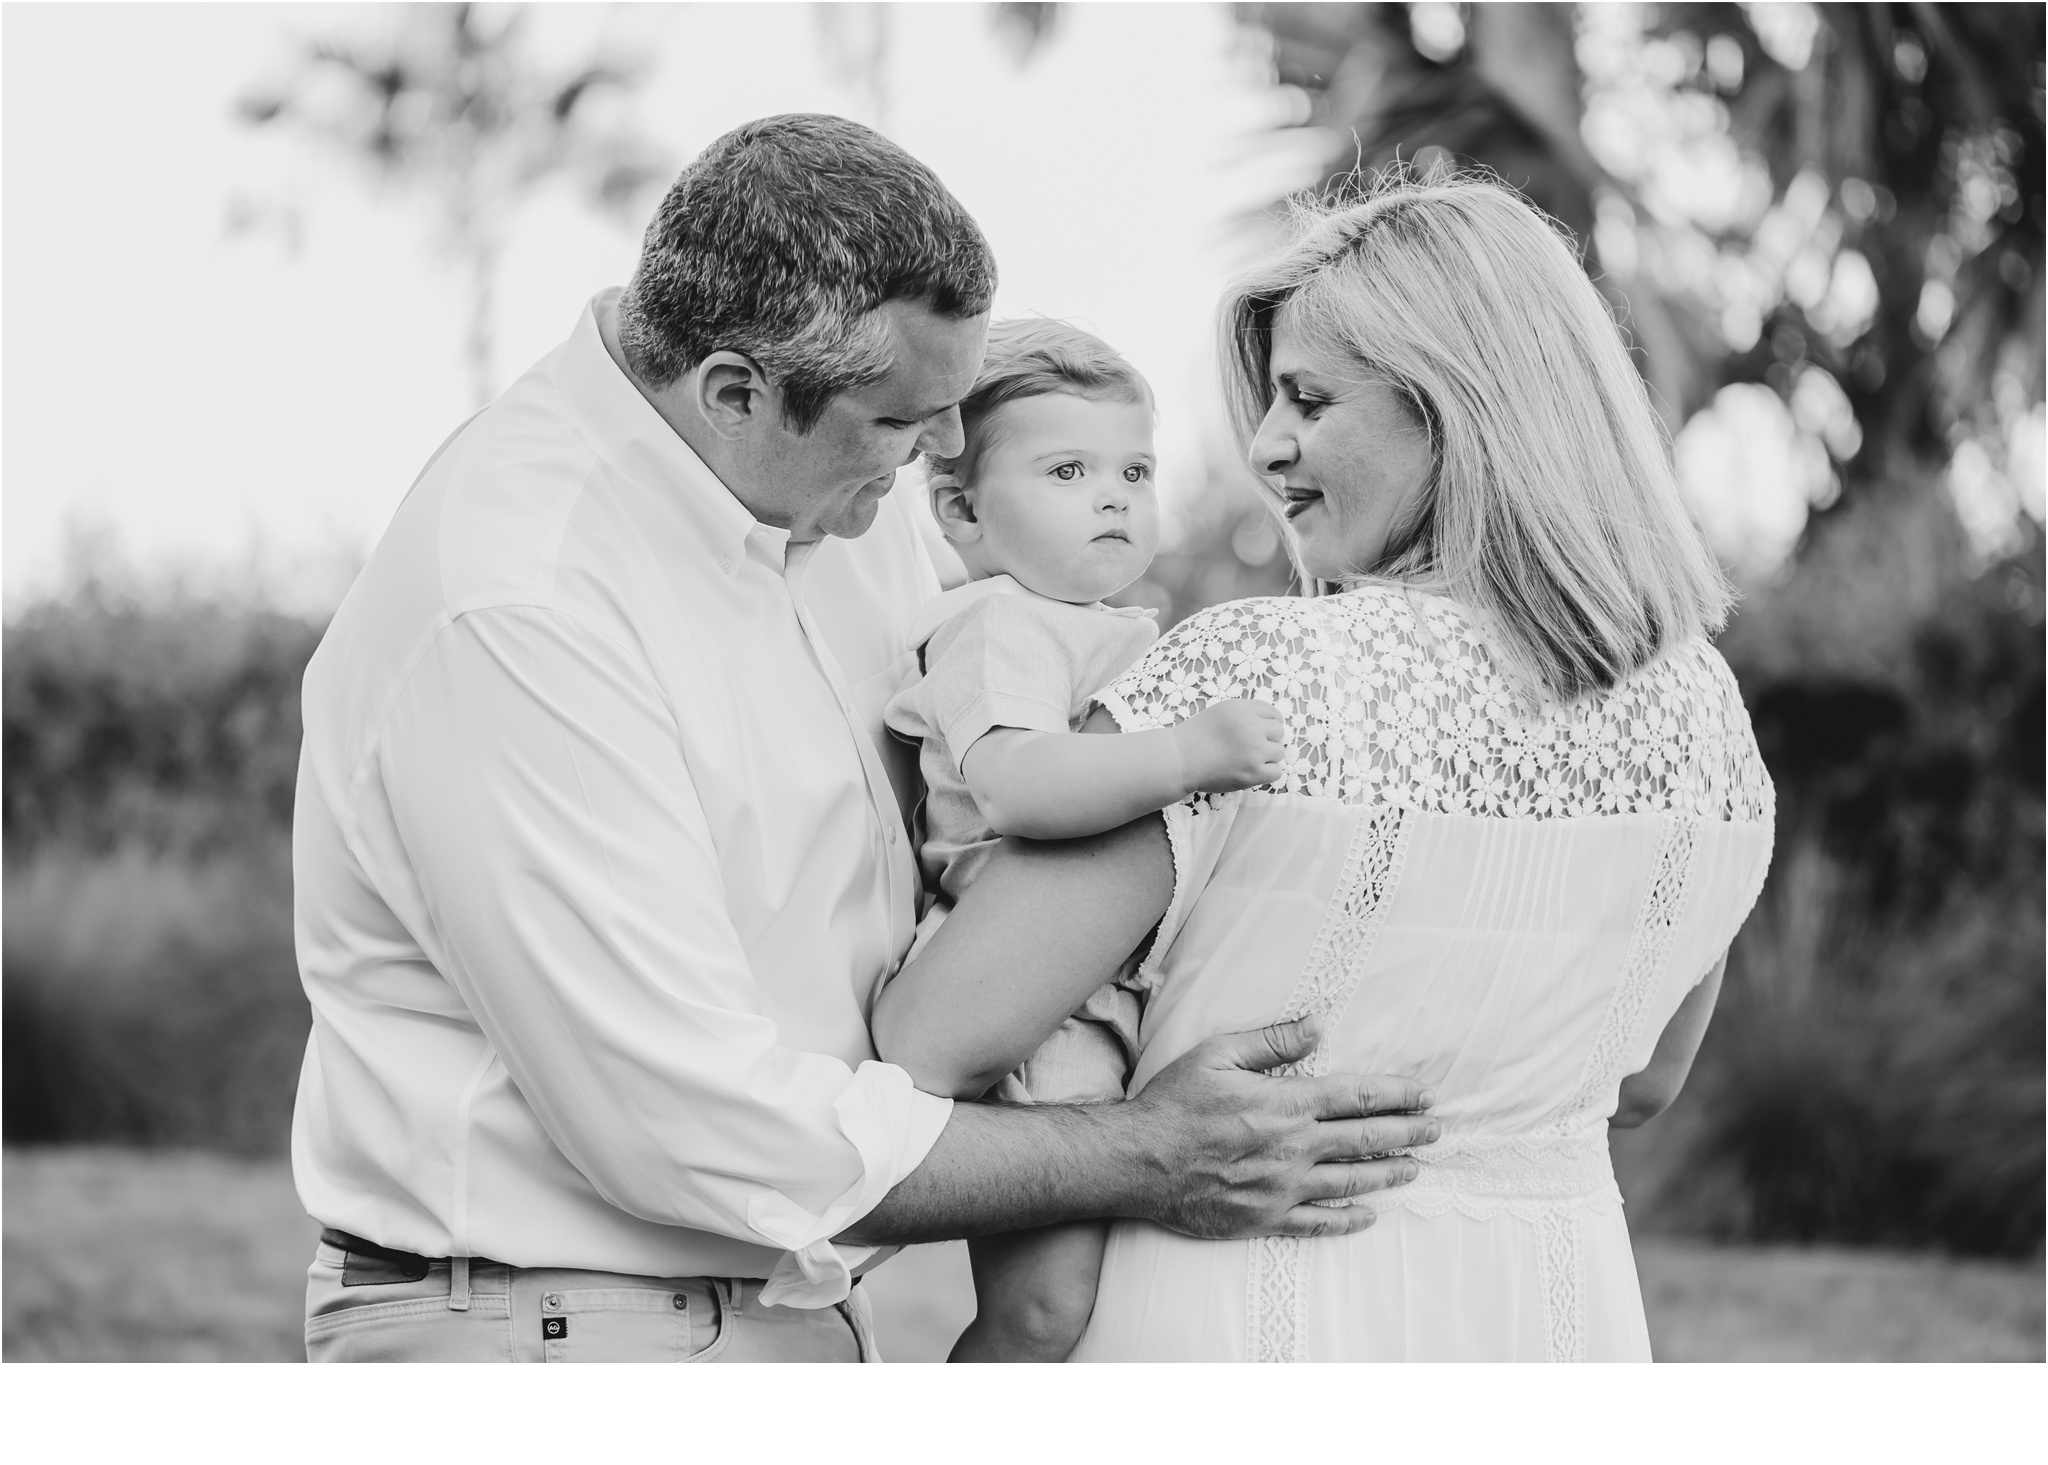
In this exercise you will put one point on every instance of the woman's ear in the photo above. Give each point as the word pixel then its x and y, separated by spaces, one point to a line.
pixel 953 507
pixel 732 393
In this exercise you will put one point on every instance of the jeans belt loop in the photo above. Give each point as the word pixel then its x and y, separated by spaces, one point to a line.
pixel 458 1284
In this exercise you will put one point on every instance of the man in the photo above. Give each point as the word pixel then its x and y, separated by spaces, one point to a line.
pixel 599 863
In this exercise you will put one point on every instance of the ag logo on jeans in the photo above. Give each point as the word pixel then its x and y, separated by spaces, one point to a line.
pixel 554 1327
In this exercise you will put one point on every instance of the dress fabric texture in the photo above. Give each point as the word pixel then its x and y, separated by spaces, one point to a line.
pixel 1505 899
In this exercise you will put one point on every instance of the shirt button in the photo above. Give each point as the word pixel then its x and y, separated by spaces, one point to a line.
pixel 726 564
pixel 892 834
pixel 552 1301
pixel 680 1302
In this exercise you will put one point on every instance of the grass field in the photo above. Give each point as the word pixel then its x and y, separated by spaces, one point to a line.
pixel 156 1255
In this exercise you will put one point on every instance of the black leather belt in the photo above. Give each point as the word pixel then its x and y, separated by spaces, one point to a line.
pixel 366 1264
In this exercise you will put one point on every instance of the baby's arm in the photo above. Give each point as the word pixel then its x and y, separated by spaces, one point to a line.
pixel 1033 1293
pixel 1042 785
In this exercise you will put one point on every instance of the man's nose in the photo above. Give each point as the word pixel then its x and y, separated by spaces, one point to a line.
pixel 943 436
pixel 1273 447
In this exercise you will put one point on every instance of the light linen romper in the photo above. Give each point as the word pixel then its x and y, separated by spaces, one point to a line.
pixel 994 654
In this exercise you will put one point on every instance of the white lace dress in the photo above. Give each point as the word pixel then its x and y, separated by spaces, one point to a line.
pixel 1504 900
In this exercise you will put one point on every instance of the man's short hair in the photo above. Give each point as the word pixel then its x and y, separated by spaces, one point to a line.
pixel 780 241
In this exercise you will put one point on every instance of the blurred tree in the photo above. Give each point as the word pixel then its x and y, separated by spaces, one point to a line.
pixel 448 109
pixel 1825 199
pixel 168 722
pixel 1024 25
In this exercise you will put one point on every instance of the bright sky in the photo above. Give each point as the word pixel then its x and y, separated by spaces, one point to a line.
pixel 220 401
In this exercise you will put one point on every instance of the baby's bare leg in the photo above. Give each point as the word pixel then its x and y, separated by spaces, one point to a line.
pixel 1034 1291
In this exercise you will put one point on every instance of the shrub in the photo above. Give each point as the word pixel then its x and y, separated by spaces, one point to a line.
pixel 172 724
pixel 151 990
pixel 1874 1073
pixel 1866 1087
pixel 151 999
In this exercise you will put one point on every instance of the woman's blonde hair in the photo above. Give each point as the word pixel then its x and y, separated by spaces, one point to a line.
pixel 1552 510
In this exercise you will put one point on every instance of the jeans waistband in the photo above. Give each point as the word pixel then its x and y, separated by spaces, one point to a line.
pixel 410 1263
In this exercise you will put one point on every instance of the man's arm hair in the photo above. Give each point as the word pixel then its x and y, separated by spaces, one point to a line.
pixel 1215 1146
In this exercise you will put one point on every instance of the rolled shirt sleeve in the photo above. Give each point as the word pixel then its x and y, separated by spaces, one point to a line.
pixel 567 886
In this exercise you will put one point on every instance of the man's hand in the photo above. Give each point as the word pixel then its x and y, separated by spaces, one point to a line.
pixel 1214 1147
pixel 1230 745
pixel 1231 1150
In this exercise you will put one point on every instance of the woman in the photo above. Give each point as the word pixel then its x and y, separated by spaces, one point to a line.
pixel 1521 820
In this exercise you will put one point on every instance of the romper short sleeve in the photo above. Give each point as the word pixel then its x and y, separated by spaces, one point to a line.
pixel 999 663
pixel 1003 660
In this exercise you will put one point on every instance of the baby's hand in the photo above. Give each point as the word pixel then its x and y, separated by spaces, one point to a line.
pixel 1231 745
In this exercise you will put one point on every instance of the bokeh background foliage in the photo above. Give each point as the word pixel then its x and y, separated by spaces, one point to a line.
pixel 1822 227
pixel 151 744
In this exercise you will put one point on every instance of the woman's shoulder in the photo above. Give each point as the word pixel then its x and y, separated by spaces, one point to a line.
pixel 1232 618
pixel 1685 708
pixel 1277 621
pixel 1232 649
pixel 1691 678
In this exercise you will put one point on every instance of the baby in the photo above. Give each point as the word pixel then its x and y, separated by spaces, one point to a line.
pixel 1051 506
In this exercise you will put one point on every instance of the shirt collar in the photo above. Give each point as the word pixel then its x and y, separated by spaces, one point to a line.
pixel 944 606
pixel 630 436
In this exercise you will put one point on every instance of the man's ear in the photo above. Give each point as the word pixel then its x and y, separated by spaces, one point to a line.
pixel 953 507
pixel 732 393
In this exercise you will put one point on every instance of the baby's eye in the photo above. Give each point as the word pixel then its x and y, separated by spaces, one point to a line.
pixel 1137 473
pixel 1067 472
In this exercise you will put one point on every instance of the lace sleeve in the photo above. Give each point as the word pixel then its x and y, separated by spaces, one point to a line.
pixel 1750 794
pixel 1271 649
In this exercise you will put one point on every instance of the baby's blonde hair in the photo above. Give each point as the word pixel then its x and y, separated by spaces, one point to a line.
pixel 1552 510
pixel 1034 356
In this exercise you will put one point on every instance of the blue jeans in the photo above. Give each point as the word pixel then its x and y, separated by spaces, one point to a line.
pixel 485 1312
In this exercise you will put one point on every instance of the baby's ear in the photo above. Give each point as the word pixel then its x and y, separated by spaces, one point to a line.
pixel 953 508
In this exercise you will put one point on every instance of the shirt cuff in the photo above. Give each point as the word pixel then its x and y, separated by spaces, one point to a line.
pixel 893 1125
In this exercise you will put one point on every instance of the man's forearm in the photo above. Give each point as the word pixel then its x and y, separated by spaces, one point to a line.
pixel 1003 1168
pixel 1215 1146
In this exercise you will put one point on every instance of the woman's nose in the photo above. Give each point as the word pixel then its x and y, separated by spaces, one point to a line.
pixel 1273 447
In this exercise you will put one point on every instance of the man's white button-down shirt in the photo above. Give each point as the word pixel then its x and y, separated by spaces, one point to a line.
pixel 599 863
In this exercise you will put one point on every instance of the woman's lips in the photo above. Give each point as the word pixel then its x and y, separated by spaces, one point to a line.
pixel 1294 501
